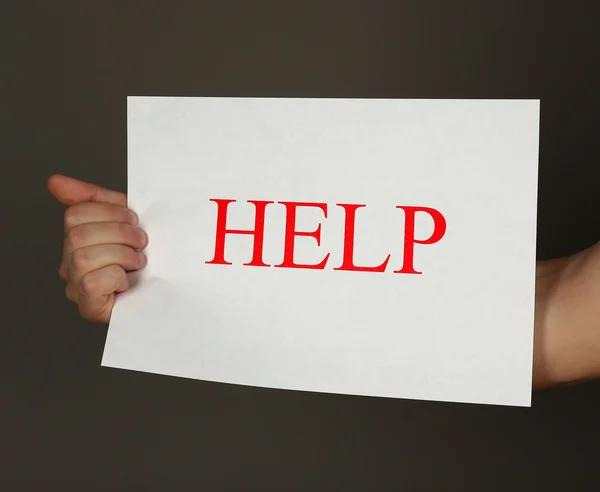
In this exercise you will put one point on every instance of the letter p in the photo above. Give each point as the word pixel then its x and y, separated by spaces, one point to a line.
pixel 439 229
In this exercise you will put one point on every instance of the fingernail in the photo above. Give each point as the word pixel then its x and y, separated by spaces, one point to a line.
pixel 133 218
pixel 143 237
pixel 141 259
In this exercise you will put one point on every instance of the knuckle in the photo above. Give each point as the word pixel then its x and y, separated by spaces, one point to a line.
pixel 75 237
pixel 88 285
pixel 69 293
pixel 80 259
pixel 62 271
pixel 71 217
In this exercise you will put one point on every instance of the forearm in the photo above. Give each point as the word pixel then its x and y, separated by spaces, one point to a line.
pixel 567 321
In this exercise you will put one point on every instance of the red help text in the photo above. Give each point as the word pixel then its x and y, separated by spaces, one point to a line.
pixel 349 233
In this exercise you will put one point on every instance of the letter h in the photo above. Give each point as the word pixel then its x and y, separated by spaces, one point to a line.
pixel 258 232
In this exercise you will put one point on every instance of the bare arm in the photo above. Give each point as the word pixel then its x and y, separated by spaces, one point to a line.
pixel 102 242
pixel 567 320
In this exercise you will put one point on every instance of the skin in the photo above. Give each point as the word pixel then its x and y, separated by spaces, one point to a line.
pixel 102 242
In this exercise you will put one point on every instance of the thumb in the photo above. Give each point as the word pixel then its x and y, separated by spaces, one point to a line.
pixel 70 191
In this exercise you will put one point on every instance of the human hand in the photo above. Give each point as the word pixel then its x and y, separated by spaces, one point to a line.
pixel 101 244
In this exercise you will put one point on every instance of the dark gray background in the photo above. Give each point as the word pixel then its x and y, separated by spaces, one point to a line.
pixel 67 67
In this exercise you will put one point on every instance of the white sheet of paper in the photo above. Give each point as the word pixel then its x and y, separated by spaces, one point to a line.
pixel 461 330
